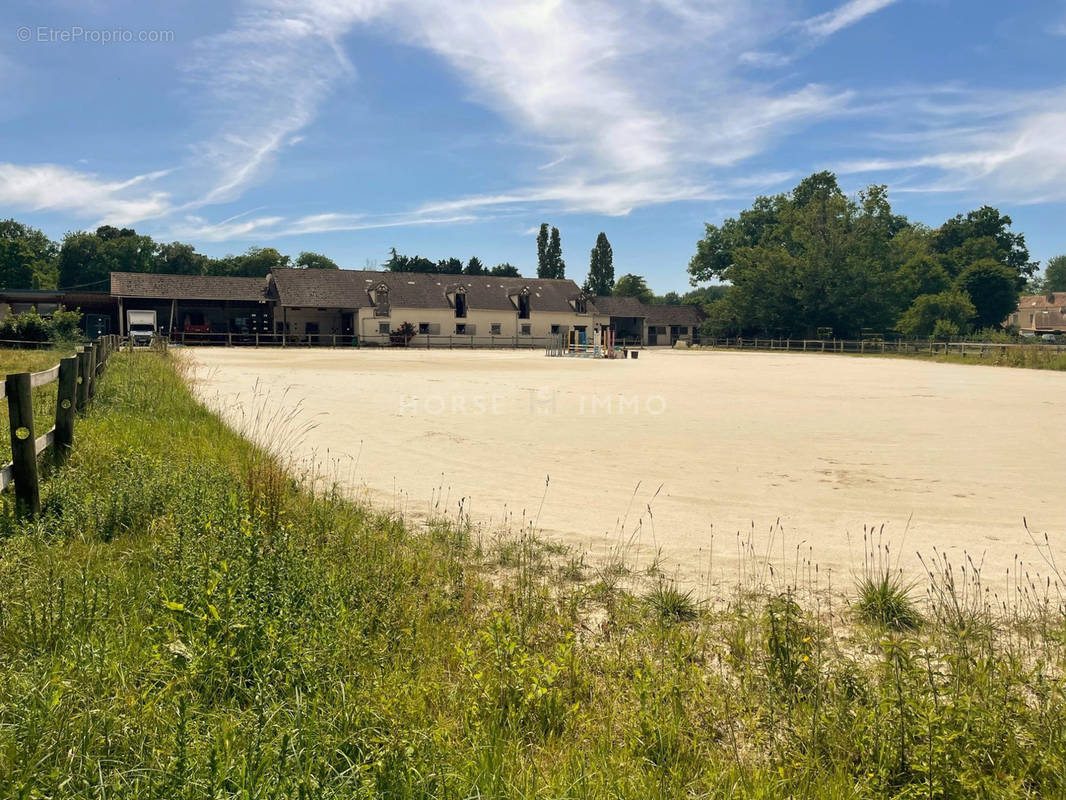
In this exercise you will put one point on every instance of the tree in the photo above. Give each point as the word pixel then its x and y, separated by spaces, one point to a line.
pixel 601 267
pixel 633 286
pixel 993 289
pixel 506 270
pixel 255 262
pixel 544 267
pixel 555 255
pixel 81 263
pixel 954 241
pixel 951 308
pixel 309 260
pixel 475 267
pixel 449 266
pixel 1055 275
pixel 177 258
pixel 27 257
pixel 401 263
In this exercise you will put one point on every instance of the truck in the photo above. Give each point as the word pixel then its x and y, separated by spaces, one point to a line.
pixel 141 326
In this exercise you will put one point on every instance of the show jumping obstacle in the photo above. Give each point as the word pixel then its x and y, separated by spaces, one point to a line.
pixel 578 344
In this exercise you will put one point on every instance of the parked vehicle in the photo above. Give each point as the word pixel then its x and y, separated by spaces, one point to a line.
pixel 1049 337
pixel 142 326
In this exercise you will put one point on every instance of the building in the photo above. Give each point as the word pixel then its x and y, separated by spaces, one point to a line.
pixel 667 324
pixel 479 309
pixel 626 315
pixel 194 303
pixel 1040 313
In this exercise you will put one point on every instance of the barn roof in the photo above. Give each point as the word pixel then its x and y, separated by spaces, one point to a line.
pixel 620 306
pixel 1052 300
pixel 674 315
pixel 186 287
pixel 351 289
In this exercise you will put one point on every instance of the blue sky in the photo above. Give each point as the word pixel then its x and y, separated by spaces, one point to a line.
pixel 455 127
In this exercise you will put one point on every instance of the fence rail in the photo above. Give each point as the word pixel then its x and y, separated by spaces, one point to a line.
pixel 910 347
pixel 76 377
pixel 336 340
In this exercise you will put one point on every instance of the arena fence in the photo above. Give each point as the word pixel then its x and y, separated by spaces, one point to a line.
pixel 423 340
pixel 76 377
pixel 910 347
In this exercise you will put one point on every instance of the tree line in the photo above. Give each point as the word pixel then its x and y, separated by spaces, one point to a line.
pixel 816 260
pixel 397 262
pixel 84 260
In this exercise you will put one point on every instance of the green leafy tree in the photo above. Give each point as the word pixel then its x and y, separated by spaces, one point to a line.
pixel 668 299
pixel 983 233
pixel 600 280
pixel 544 266
pixel 633 286
pixel 475 267
pixel 177 258
pixel 449 266
pixel 1055 275
pixel 953 307
pixel 506 270
pixel 27 257
pixel 993 289
pixel 81 262
pixel 256 262
pixel 309 260
pixel 401 263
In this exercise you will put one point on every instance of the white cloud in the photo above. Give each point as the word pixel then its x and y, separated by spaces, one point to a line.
pixel 844 16
pixel 51 187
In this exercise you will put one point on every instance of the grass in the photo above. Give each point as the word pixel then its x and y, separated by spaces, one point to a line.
pixel 185 620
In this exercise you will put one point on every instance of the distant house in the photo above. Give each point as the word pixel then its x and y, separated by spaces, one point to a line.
pixel 667 324
pixel 1040 313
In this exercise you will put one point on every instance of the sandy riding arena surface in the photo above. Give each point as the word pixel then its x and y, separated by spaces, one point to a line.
pixel 684 453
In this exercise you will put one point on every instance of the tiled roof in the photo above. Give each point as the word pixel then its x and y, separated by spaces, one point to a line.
pixel 186 287
pixel 1054 300
pixel 350 289
pixel 674 315
pixel 620 306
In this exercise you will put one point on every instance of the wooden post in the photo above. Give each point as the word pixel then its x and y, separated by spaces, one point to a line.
pixel 23 444
pixel 82 404
pixel 90 377
pixel 121 319
pixel 66 404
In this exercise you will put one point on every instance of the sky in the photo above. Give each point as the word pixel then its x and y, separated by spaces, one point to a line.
pixel 455 127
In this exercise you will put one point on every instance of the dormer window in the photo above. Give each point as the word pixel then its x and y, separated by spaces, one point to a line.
pixel 580 304
pixel 379 296
pixel 523 303
pixel 460 303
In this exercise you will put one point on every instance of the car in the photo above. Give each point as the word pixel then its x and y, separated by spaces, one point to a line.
pixel 1049 337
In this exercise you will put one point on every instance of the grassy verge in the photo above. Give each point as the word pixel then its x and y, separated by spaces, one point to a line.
pixel 184 621
pixel 1022 357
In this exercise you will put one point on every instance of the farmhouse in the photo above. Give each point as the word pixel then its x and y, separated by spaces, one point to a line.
pixel 1040 313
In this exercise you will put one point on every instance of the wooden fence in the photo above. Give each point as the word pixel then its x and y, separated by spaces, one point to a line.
pixel 76 377
pixel 911 347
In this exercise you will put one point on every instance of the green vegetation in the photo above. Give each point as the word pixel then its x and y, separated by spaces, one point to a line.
pixel 600 280
pixel 44 397
pixel 29 326
pixel 185 621
pixel 550 262
pixel 817 259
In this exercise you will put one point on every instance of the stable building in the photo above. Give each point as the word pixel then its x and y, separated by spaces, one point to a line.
pixel 666 325
pixel 626 315
pixel 466 309
pixel 195 303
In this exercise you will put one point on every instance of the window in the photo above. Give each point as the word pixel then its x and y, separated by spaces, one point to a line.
pixel 460 327
pixel 527 330
pixel 580 305
pixel 423 328
pixel 495 328
pixel 460 304
pixel 523 305
pixel 683 329
pixel 381 300
pixel 383 327
pixel 555 330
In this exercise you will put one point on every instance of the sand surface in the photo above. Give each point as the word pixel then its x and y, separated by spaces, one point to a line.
pixel 683 453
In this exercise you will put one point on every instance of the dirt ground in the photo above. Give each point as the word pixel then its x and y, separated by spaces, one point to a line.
pixel 712 459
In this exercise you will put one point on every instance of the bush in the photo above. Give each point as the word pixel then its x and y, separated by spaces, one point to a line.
pixel 29 326
pixel 945 330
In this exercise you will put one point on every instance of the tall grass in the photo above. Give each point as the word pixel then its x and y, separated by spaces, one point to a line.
pixel 186 620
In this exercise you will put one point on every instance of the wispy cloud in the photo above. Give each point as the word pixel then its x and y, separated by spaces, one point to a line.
pixel 51 187
pixel 844 16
